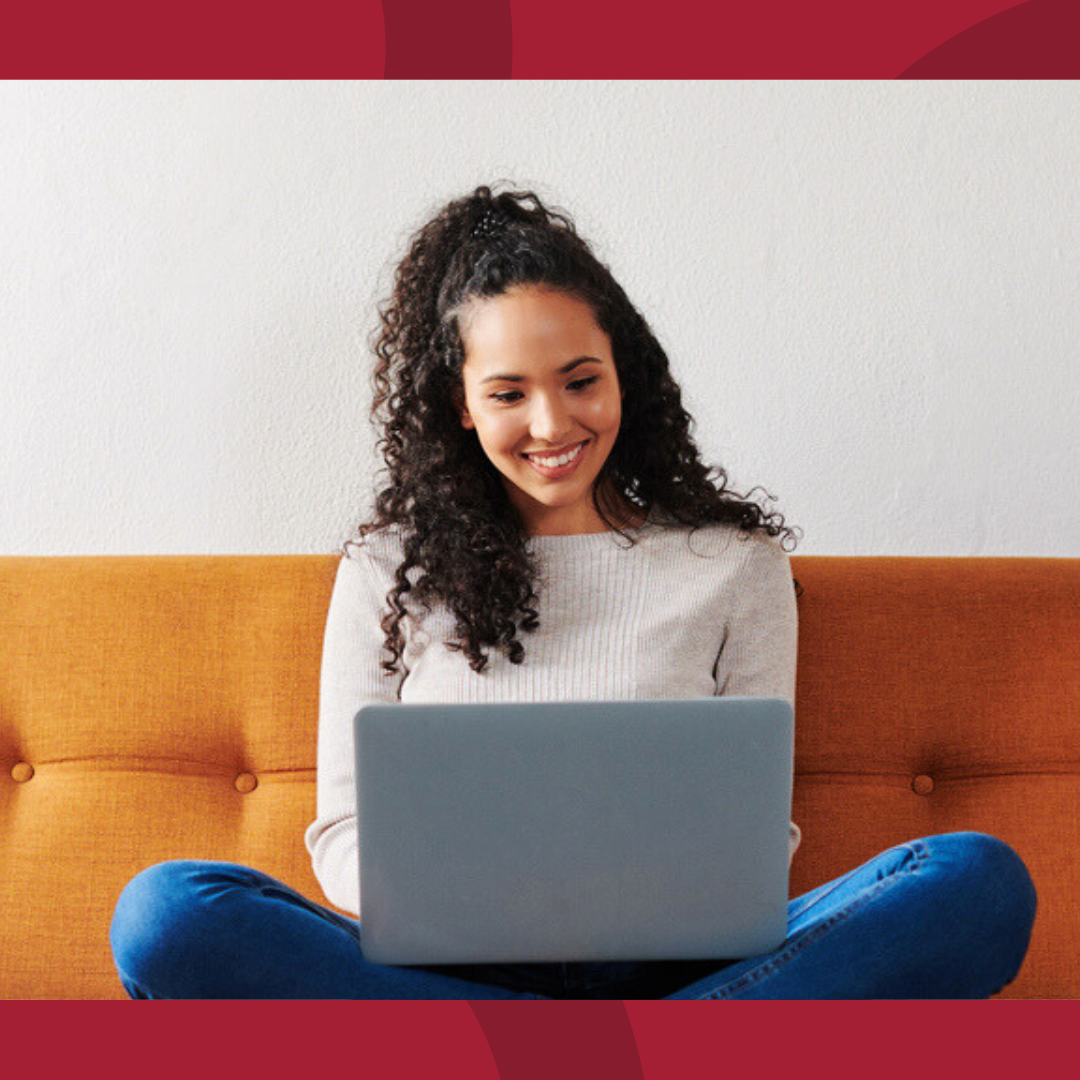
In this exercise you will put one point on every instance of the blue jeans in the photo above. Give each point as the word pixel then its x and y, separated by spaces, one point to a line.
pixel 943 917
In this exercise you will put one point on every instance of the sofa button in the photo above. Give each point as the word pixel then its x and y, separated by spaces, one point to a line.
pixel 922 784
pixel 21 771
pixel 246 782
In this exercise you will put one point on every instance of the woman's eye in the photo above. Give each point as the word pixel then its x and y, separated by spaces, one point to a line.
pixel 507 396
pixel 583 383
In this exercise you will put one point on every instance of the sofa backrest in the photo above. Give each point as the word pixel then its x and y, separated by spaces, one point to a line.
pixel 166 707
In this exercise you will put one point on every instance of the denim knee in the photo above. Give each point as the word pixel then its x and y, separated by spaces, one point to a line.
pixel 158 912
pixel 994 897
pixel 997 877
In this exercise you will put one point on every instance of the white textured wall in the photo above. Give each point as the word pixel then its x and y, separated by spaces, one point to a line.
pixel 870 292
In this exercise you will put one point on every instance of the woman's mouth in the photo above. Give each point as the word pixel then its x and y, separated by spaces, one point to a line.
pixel 556 466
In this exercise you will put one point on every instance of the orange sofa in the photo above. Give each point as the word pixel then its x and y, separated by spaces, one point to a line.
pixel 161 707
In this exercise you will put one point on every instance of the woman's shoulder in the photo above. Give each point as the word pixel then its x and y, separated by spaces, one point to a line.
pixel 375 549
pixel 717 539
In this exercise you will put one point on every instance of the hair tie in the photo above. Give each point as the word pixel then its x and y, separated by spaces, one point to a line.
pixel 490 221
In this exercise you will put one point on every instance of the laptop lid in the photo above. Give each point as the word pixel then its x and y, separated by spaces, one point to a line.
pixel 568 831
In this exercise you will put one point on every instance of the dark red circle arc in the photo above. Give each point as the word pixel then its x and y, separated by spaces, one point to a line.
pixel 433 39
pixel 571 1040
pixel 1034 40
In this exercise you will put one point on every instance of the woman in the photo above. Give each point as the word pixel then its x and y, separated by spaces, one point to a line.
pixel 549 531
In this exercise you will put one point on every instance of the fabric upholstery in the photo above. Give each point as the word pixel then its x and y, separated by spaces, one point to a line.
pixel 164 707
pixel 944 694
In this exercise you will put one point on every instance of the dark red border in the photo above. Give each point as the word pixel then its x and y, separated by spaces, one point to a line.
pixel 551 39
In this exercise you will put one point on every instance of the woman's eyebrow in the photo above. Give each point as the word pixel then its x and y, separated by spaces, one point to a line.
pixel 562 371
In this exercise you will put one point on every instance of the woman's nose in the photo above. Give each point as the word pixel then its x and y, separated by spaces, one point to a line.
pixel 549 421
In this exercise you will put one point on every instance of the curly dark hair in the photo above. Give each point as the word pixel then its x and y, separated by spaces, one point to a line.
pixel 462 539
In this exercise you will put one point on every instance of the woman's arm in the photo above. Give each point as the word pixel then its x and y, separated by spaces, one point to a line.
pixel 351 677
pixel 759 651
pixel 758 655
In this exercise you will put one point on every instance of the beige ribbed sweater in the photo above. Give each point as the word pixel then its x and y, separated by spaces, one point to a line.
pixel 676 615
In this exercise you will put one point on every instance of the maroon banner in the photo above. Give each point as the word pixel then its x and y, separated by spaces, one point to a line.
pixel 527 39
pixel 539 1040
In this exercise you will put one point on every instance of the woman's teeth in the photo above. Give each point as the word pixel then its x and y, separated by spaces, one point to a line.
pixel 555 462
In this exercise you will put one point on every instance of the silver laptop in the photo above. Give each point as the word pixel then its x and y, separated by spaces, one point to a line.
pixel 625 830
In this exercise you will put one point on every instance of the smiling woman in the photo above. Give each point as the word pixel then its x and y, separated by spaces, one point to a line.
pixel 542 483
pixel 541 392
pixel 495 299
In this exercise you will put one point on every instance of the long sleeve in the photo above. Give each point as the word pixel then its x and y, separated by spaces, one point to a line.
pixel 759 653
pixel 351 677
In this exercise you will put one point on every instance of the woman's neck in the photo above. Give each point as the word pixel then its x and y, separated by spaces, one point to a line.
pixel 617 513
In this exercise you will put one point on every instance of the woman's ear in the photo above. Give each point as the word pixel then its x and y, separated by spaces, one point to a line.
pixel 458 397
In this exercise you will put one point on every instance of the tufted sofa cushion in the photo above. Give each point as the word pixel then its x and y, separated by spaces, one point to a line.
pixel 163 707
pixel 150 708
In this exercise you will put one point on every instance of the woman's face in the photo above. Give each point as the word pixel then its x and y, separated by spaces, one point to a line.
pixel 543 396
